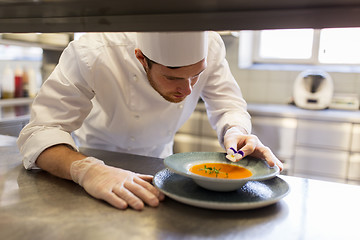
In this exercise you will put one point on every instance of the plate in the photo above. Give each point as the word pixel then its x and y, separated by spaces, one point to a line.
pixel 254 194
pixel 181 162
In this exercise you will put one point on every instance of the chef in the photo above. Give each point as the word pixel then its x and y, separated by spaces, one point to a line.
pixel 131 92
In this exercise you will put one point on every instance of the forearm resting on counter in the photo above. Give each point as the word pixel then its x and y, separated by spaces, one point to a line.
pixel 58 159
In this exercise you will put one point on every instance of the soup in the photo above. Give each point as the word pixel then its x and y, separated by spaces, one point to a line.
pixel 220 170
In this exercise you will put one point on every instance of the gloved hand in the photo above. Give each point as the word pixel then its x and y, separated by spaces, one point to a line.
pixel 247 144
pixel 116 186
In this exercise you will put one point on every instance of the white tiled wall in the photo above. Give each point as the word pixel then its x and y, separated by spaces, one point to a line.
pixel 276 86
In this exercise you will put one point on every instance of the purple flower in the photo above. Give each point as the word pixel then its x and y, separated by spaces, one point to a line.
pixel 234 155
pixel 233 150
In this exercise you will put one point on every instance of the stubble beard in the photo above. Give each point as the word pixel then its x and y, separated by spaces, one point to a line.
pixel 156 88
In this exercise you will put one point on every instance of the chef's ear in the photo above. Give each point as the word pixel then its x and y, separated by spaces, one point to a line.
pixel 140 56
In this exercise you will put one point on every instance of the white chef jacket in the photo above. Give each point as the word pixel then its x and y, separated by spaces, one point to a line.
pixel 98 96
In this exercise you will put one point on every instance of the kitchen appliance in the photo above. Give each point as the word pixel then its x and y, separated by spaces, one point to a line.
pixel 313 89
pixel 345 101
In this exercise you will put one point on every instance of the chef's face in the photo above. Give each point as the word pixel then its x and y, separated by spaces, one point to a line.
pixel 173 84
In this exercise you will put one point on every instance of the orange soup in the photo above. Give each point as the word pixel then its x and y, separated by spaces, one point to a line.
pixel 220 170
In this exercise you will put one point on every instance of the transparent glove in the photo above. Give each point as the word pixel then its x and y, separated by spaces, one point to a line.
pixel 241 145
pixel 116 186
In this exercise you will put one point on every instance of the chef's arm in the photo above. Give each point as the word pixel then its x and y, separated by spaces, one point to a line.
pixel 58 159
pixel 120 188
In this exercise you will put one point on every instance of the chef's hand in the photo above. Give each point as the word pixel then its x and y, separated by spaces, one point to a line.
pixel 249 145
pixel 120 188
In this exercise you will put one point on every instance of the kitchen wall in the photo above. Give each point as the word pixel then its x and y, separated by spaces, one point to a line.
pixel 275 86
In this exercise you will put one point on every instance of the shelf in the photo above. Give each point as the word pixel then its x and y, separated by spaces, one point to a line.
pixel 144 15
pixel 30 44
pixel 16 101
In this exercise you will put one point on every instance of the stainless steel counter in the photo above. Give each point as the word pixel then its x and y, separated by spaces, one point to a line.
pixel 36 205
pixel 291 111
pixel 278 110
pixel 14 115
pixel 321 144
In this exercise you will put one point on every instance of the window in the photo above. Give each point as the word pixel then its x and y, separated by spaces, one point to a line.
pixel 308 46
pixel 340 46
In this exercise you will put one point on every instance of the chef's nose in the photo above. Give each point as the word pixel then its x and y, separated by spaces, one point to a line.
pixel 185 88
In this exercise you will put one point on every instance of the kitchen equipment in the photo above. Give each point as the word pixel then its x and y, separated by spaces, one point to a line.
pixel 313 89
pixel 345 102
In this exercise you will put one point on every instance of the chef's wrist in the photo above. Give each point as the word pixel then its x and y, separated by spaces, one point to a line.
pixel 79 168
pixel 240 129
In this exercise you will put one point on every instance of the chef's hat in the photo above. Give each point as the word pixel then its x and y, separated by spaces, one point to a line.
pixel 173 49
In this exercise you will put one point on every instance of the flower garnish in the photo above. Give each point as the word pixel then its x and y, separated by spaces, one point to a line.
pixel 234 155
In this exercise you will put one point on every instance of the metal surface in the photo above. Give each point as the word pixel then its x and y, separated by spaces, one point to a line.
pixel 332 135
pixel 186 143
pixel 206 128
pixel 13 118
pixel 282 128
pixel 354 167
pixel 278 134
pixel 321 163
pixel 192 125
pixel 355 141
pixel 197 135
pixel 112 15
pixel 324 146
pixel 291 111
pixel 36 205
pixel 210 145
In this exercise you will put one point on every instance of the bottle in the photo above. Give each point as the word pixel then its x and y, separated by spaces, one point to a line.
pixel 8 86
pixel 18 83
pixel 32 83
pixel 25 83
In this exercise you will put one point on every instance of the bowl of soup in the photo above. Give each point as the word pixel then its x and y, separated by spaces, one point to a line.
pixel 211 170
